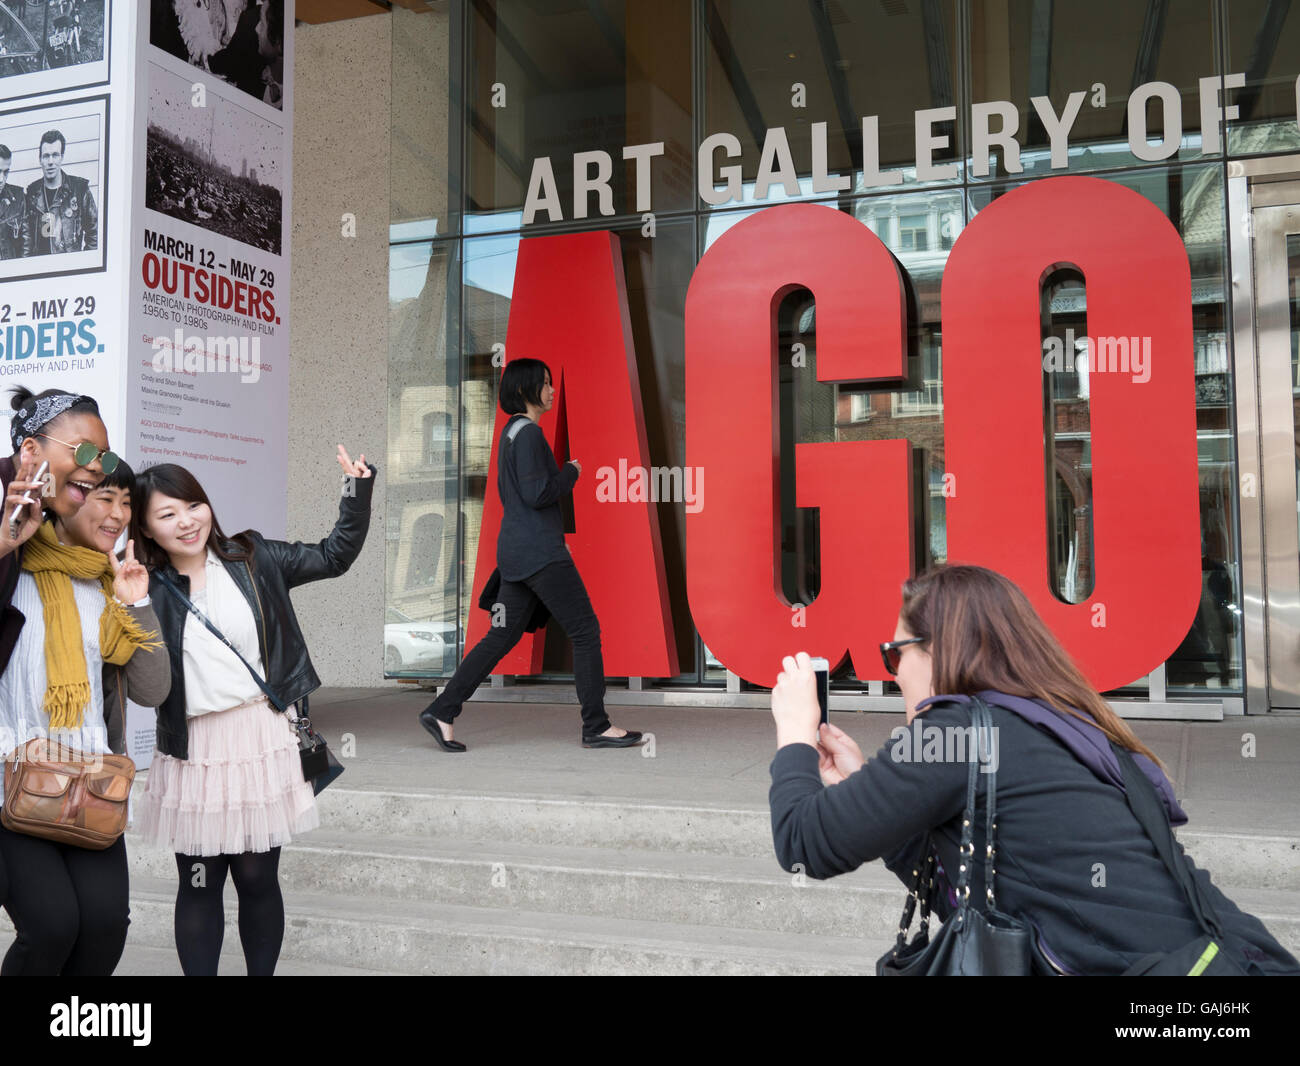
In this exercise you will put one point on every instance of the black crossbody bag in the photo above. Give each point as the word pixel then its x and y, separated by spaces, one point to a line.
pixel 319 766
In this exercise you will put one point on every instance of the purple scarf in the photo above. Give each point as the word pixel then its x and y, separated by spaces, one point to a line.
pixel 1087 742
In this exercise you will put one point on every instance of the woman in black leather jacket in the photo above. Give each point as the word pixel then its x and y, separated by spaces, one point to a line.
pixel 226 788
pixel 1071 857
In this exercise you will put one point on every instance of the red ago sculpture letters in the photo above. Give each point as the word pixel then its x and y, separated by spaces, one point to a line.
pixel 570 310
pixel 732 544
pixel 1146 514
pixel 1145 496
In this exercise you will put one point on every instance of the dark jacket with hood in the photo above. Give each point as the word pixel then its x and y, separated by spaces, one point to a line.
pixel 265 578
pixel 1071 857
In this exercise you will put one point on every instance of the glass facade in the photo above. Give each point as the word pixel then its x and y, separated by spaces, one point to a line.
pixel 895 112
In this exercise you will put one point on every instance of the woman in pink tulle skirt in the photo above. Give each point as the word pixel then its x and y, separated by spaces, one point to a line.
pixel 226 787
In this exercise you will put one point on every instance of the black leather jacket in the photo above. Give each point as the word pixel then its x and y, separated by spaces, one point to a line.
pixel 13 210
pixel 265 579
pixel 74 217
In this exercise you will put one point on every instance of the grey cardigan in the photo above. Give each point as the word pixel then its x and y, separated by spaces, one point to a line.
pixel 146 678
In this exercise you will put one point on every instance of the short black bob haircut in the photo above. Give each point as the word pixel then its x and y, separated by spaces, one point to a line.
pixel 122 477
pixel 521 384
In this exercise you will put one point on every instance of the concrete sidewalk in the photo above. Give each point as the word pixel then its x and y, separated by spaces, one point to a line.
pixel 720 756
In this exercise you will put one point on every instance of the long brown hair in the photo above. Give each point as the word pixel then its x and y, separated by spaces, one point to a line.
pixel 984 634
pixel 171 479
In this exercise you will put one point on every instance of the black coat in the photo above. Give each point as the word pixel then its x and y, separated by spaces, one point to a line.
pixel 531 485
pixel 1071 857
pixel 265 579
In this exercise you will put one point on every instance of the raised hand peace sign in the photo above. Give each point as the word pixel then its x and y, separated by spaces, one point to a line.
pixel 130 578
pixel 353 468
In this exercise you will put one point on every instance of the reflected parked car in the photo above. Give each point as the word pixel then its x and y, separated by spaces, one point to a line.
pixel 419 647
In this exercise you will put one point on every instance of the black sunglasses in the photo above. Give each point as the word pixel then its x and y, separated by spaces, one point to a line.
pixel 890 654
pixel 86 453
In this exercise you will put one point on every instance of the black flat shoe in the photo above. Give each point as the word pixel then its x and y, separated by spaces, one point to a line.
pixel 430 723
pixel 629 740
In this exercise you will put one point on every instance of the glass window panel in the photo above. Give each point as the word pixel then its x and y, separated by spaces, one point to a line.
pixel 552 78
pixel 1021 49
pixel 769 63
pixel 421 637
pixel 598 75
pixel 1263 43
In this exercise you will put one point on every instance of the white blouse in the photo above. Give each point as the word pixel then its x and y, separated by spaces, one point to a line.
pixel 22 687
pixel 215 680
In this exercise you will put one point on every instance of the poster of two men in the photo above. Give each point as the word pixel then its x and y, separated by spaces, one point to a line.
pixel 54 214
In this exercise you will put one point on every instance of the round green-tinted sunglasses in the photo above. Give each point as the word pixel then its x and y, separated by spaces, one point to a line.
pixel 86 453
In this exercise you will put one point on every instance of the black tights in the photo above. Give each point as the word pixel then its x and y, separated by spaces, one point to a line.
pixel 201 918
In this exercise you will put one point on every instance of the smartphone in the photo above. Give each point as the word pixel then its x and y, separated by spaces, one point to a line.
pixel 13 518
pixel 822 668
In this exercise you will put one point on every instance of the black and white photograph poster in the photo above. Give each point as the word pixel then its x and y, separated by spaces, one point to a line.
pixel 48 46
pixel 208 339
pixel 217 166
pixel 239 41
pixel 53 169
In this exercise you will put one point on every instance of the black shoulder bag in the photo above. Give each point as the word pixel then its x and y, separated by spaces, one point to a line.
pixel 319 766
pixel 969 943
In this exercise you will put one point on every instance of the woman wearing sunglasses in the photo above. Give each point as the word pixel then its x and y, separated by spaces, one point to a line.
pixel 1072 859
pixel 72 617
pixel 226 787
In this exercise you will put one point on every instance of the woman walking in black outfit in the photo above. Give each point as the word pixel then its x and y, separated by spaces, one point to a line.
pixel 534 566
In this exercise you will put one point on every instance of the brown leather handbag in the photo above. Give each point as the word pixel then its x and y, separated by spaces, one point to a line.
pixel 57 793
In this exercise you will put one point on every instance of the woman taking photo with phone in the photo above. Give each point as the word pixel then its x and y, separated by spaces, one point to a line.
pixel 226 788
pixel 78 627
pixel 968 637
pixel 533 566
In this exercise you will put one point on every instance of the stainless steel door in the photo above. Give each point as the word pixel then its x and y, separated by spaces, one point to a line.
pixel 1275 262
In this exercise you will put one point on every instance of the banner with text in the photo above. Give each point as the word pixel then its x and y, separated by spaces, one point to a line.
pixel 208 344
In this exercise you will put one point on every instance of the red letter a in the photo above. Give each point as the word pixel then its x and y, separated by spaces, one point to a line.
pixel 570 310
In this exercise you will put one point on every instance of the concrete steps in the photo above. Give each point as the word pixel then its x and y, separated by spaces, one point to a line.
pixel 334 932
pixel 1253 860
pixel 670 887
pixel 424 881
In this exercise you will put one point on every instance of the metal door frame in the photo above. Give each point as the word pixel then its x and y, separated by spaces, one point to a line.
pixel 1270 187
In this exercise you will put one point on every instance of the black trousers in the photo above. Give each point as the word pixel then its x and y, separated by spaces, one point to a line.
pixel 69 907
pixel 560 588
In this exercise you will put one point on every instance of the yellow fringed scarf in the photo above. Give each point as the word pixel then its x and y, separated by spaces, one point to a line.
pixel 53 565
